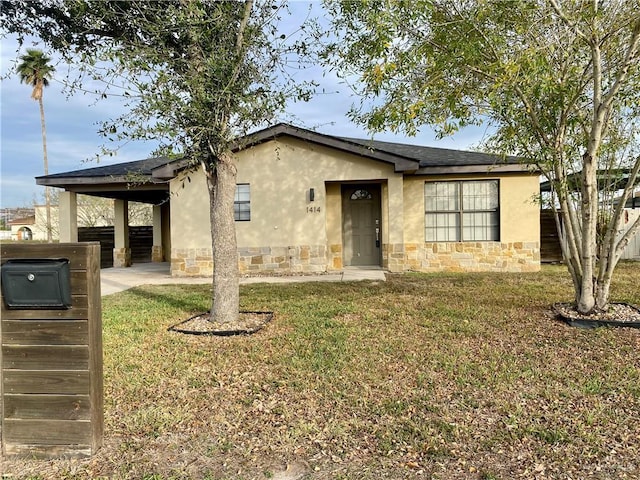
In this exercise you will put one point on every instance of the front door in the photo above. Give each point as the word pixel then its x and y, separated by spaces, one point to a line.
pixel 361 224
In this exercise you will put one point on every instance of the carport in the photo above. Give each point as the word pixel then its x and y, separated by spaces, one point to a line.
pixel 144 181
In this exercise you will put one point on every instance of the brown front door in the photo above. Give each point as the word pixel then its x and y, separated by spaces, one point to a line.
pixel 361 224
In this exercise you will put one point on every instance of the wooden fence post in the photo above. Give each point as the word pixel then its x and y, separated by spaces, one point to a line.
pixel 51 379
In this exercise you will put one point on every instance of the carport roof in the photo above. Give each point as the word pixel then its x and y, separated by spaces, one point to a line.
pixel 132 181
pixel 608 180
pixel 138 167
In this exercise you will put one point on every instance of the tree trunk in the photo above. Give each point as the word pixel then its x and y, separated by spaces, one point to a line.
pixel 226 294
pixel 47 196
pixel 602 293
pixel 586 297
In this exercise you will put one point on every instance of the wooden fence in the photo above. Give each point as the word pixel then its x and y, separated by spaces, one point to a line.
pixel 140 242
pixel 551 252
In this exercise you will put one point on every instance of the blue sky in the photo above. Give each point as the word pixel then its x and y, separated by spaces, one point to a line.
pixel 72 125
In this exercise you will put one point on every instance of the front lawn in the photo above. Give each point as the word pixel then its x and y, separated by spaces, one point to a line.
pixel 464 376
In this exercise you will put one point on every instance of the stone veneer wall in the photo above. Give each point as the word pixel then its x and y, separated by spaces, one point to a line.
pixel 427 257
pixel 121 257
pixel 194 262
pixel 157 255
pixel 335 257
pixel 463 257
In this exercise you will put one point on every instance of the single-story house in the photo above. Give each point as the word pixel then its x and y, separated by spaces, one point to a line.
pixel 310 202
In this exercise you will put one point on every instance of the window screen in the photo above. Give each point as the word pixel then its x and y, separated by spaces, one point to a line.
pixel 462 211
pixel 242 203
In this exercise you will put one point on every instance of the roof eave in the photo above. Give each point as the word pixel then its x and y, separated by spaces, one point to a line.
pixel 114 180
pixel 475 169
pixel 400 164
pixel 170 170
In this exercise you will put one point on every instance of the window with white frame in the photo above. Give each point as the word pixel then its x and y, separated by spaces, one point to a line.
pixel 242 203
pixel 462 211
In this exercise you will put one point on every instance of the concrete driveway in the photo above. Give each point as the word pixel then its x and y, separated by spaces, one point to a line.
pixel 114 280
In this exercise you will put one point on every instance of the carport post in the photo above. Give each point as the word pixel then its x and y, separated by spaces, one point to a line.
pixel 395 229
pixel 157 250
pixel 121 250
pixel 68 217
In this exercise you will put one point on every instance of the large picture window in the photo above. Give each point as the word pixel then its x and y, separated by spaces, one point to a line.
pixel 242 203
pixel 462 211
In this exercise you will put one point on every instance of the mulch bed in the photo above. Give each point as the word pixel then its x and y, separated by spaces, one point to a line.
pixel 201 324
pixel 618 315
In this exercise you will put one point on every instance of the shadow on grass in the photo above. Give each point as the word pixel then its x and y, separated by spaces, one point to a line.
pixel 171 301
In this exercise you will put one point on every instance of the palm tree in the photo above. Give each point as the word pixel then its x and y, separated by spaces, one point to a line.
pixel 36 71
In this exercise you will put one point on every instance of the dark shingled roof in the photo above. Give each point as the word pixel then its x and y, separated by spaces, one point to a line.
pixel 411 159
pixel 133 181
pixel 147 180
pixel 436 157
pixel 116 170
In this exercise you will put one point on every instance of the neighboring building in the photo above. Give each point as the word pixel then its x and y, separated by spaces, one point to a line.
pixel 11 213
pixel 308 202
pixel 632 252
pixel 34 227
pixel 19 214
pixel 23 228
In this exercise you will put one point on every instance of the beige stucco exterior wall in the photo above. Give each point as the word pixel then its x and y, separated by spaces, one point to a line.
pixel 190 211
pixel 285 224
pixel 333 217
pixel 519 209
pixel 517 250
pixel 519 212
pixel 289 233
pixel 280 174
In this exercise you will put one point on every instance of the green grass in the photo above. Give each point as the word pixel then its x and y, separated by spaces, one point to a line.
pixel 464 376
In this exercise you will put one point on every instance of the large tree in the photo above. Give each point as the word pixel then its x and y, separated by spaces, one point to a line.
pixel 35 69
pixel 557 82
pixel 198 74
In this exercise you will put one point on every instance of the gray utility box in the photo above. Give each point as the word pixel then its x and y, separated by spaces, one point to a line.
pixel 51 380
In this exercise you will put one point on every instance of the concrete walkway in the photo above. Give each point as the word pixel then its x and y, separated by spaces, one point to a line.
pixel 114 280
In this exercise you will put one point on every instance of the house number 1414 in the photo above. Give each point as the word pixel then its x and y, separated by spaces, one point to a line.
pixel 313 209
